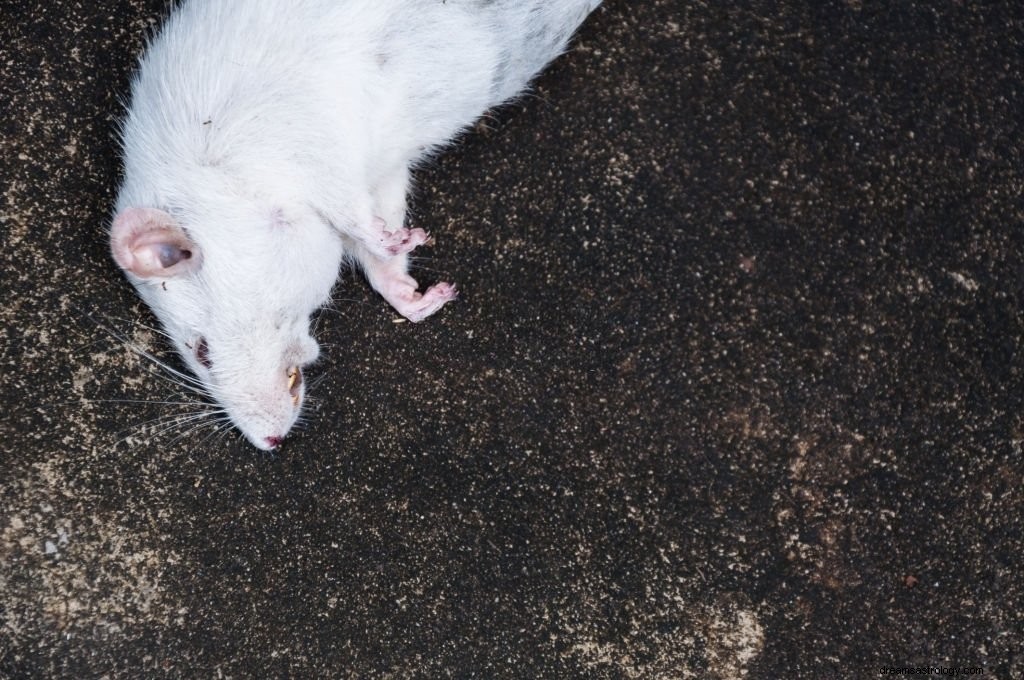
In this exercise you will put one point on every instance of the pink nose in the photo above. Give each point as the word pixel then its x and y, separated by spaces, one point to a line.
pixel 273 442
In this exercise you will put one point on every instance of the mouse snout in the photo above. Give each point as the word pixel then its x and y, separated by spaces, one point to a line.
pixel 294 385
pixel 266 409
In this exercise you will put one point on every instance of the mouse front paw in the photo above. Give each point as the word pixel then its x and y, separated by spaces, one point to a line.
pixel 402 240
pixel 416 306
pixel 387 243
pixel 390 278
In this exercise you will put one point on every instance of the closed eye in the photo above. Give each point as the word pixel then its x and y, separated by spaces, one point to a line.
pixel 202 351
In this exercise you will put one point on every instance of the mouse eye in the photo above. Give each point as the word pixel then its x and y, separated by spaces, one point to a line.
pixel 203 353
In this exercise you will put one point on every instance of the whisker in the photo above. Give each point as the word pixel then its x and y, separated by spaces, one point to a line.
pixel 169 423
pixel 191 431
pixel 159 420
pixel 313 384
pixel 154 427
pixel 218 428
pixel 226 430
pixel 200 391
pixel 133 401
pixel 142 352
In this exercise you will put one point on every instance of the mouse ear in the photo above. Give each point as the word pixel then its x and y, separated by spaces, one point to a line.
pixel 149 244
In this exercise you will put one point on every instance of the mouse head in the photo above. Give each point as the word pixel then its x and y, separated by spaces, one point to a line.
pixel 235 294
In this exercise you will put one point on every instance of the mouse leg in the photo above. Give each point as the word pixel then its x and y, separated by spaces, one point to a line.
pixel 375 219
pixel 389 276
pixel 391 279
pixel 389 198
pixel 387 238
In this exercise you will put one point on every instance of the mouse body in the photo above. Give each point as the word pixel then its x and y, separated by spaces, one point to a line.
pixel 267 142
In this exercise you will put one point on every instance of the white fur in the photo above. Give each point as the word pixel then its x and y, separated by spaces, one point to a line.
pixel 276 137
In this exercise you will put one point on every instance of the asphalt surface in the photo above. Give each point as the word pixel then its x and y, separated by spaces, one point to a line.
pixel 733 388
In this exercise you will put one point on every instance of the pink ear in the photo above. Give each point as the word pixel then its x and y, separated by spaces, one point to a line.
pixel 149 244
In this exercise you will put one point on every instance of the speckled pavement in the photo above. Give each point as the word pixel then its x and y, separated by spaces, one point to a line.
pixel 734 387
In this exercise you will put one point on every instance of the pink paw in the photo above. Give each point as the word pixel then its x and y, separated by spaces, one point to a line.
pixel 403 240
pixel 416 306
pixel 388 243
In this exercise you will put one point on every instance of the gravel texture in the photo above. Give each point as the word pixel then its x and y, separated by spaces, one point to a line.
pixel 734 388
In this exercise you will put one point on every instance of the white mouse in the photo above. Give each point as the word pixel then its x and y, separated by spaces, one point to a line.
pixel 267 141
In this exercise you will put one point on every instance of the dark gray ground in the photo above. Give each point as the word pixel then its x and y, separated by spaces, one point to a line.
pixel 734 387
